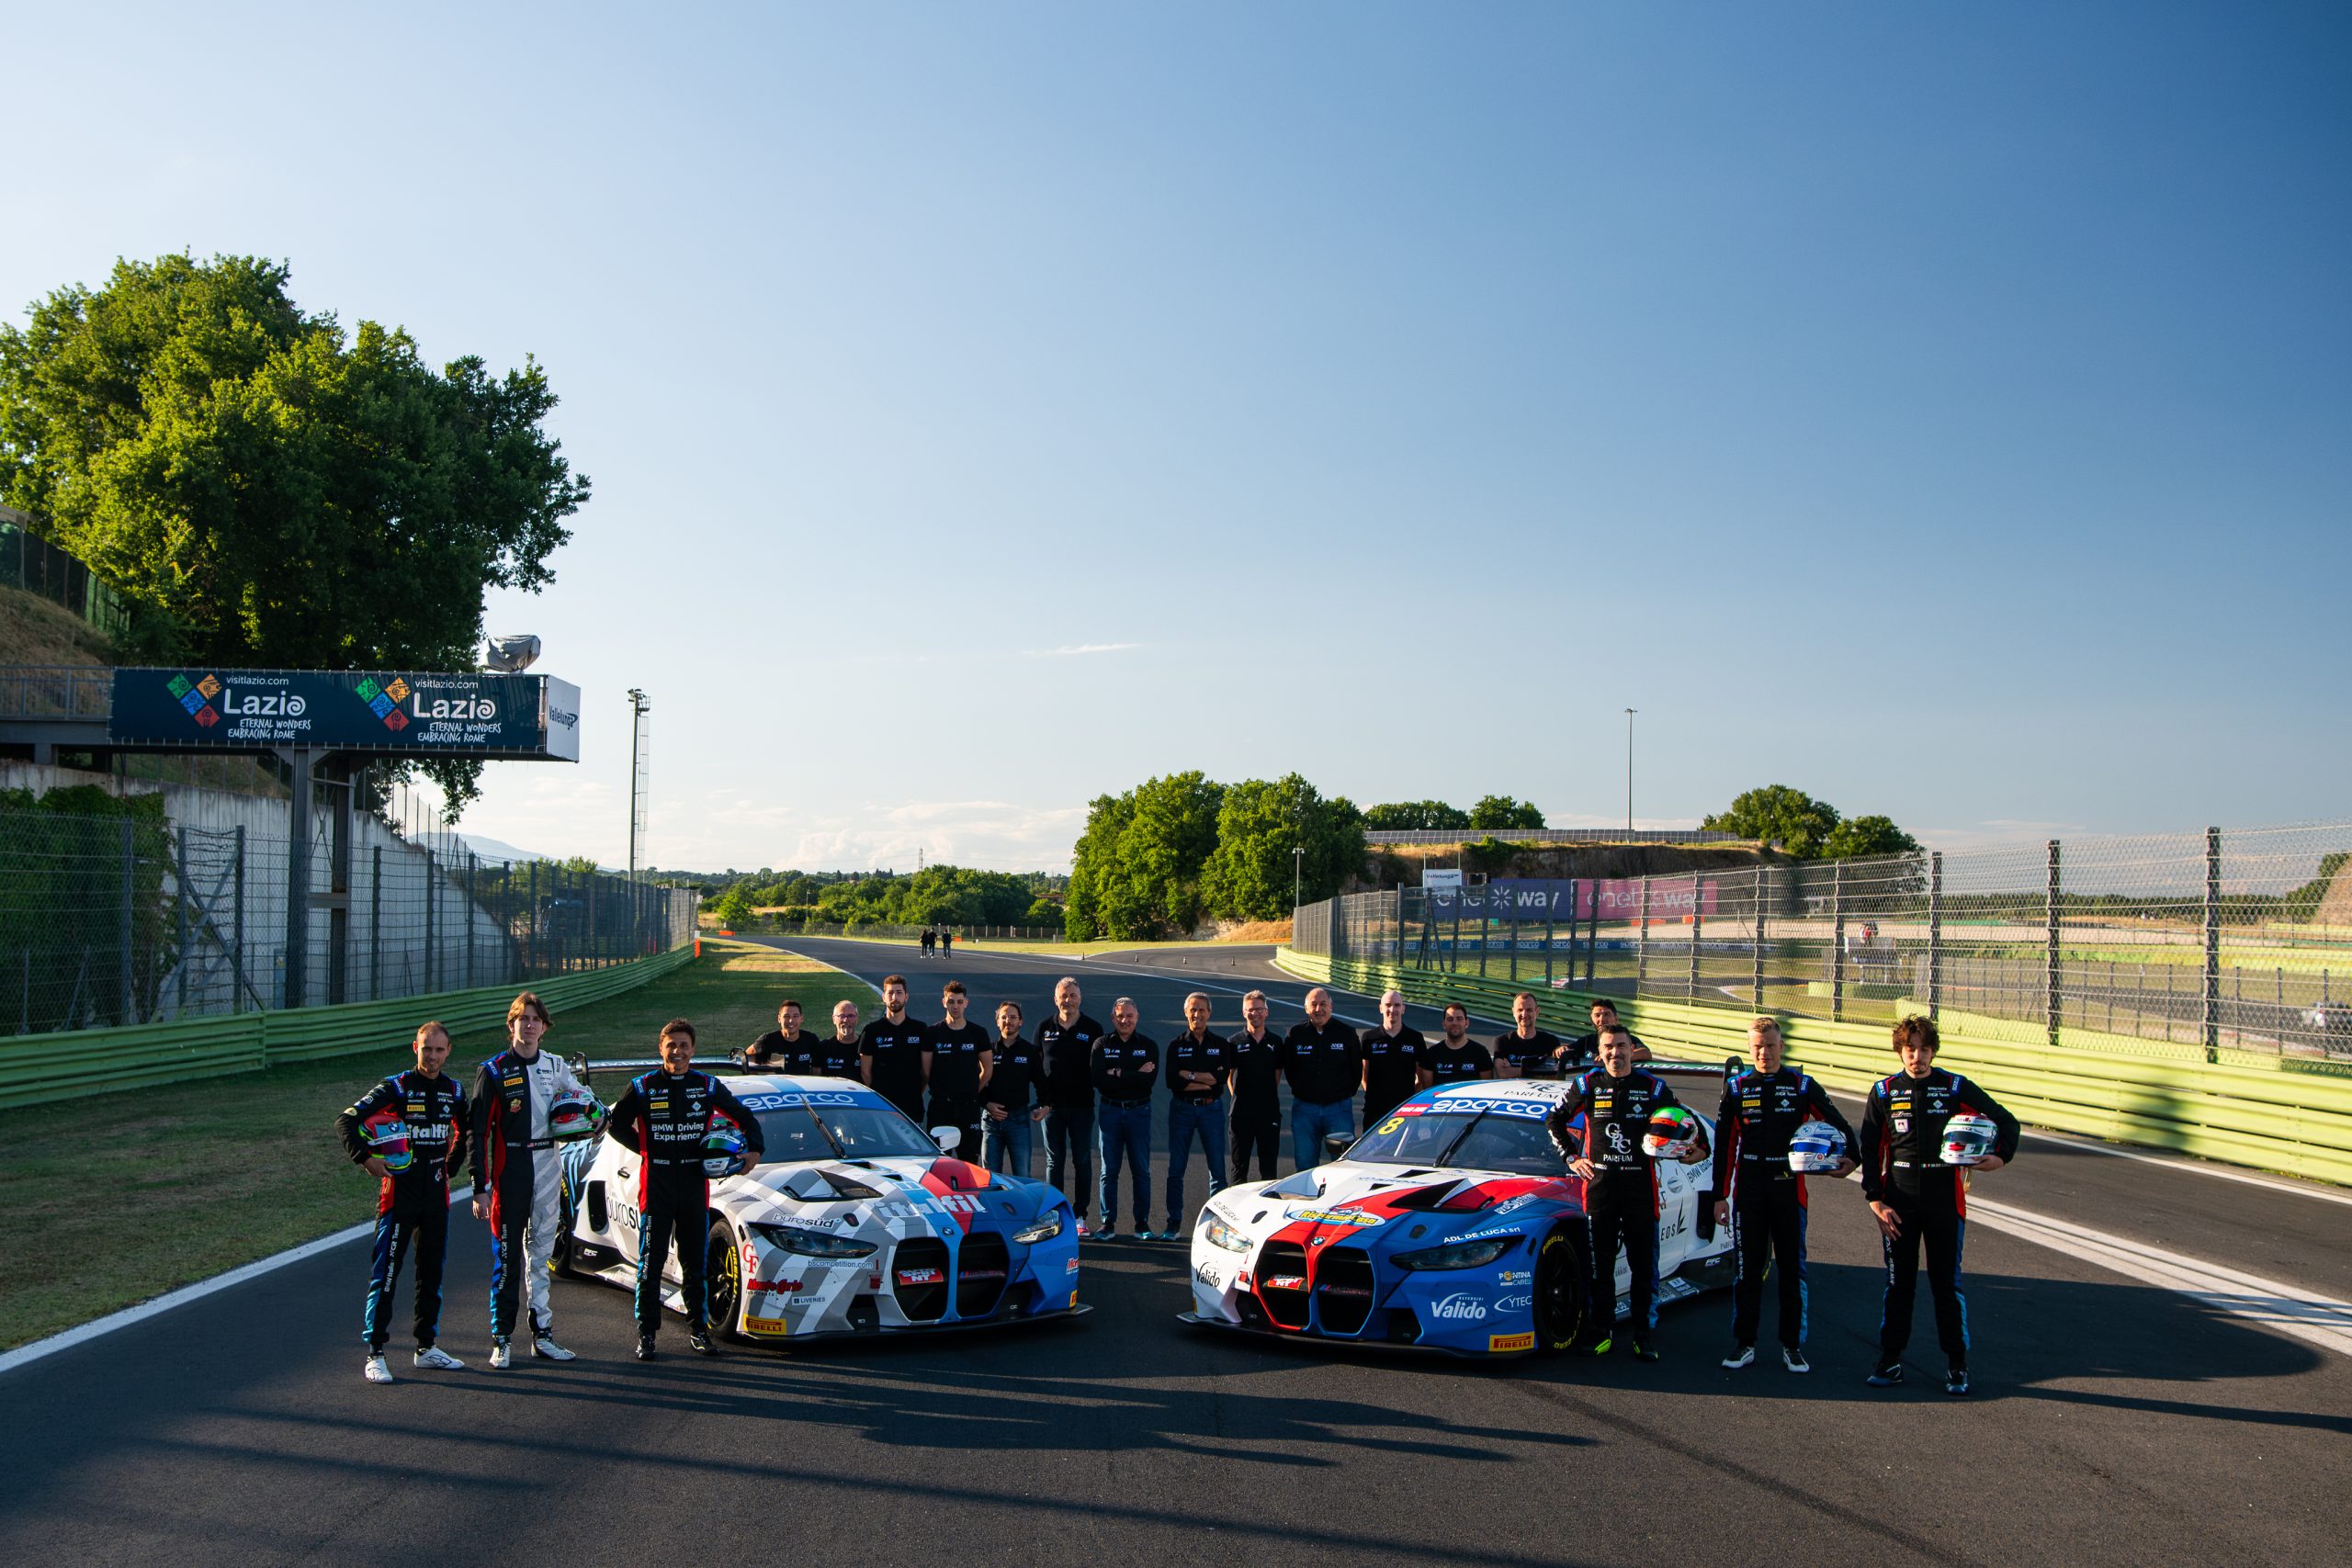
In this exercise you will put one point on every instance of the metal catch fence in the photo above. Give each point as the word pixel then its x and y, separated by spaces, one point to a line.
pixel 123 920
pixel 2238 940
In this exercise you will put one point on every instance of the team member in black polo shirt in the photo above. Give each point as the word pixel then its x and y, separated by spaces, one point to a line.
pixel 1126 1069
pixel 1198 1062
pixel 1007 1120
pixel 1392 1059
pixel 786 1048
pixel 960 1057
pixel 1453 1056
pixel 897 1051
pixel 1586 1048
pixel 1066 1052
pixel 838 1057
pixel 1257 1059
pixel 1324 1064
pixel 1529 1051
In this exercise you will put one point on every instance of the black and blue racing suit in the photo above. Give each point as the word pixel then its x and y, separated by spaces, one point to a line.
pixel 664 1117
pixel 411 1205
pixel 1620 1198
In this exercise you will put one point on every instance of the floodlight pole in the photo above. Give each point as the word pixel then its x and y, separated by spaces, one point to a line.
pixel 1297 871
pixel 638 705
pixel 1629 772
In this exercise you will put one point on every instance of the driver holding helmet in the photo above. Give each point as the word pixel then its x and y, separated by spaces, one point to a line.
pixel 668 1117
pixel 518 1175
pixel 1923 1130
pixel 1760 1192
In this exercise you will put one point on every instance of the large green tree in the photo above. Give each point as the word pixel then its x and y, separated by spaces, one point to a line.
pixel 267 488
pixel 1501 811
pixel 1251 873
pixel 1779 814
pixel 1136 872
pixel 1407 816
pixel 1867 836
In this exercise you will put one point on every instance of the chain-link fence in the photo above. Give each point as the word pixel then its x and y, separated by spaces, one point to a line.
pixel 885 929
pixel 2239 940
pixel 139 918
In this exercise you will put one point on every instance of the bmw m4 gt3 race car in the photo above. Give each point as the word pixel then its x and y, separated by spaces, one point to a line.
pixel 1452 1225
pixel 853 1223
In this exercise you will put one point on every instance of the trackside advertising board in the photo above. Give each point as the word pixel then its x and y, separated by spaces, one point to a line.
pixel 408 713
pixel 1615 899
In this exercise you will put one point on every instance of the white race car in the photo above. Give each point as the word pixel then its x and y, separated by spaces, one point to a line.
pixel 1451 1224
pixel 854 1221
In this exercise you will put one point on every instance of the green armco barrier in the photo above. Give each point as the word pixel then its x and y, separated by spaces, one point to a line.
pixel 39 1068
pixel 2272 1113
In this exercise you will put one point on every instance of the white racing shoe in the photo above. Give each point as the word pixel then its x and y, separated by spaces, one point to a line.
pixel 434 1359
pixel 545 1348
pixel 376 1371
pixel 502 1354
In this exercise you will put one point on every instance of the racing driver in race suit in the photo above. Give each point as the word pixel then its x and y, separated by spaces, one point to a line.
pixel 664 1116
pixel 518 1175
pixel 421 1118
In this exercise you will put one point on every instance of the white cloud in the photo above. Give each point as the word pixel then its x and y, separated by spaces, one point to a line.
pixel 729 828
pixel 1077 649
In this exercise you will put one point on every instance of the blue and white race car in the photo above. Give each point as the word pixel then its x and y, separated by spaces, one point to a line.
pixel 1451 1224
pixel 855 1222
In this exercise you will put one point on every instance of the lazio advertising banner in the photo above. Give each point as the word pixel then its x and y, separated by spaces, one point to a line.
pixel 409 713
pixel 1552 899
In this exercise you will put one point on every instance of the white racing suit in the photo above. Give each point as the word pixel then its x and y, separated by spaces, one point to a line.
pixel 519 1168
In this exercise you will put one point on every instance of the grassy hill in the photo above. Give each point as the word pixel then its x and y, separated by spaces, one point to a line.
pixel 35 631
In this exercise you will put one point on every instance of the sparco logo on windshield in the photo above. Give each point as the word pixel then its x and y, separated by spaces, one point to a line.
pixel 1460 1308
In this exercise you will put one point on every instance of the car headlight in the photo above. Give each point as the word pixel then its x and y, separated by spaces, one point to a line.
pixel 1044 1230
pixel 812 1243
pixel 1460 1255
pixel 1223 1234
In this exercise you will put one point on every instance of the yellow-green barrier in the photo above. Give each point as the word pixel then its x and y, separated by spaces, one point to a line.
pixel 2245 1110
pixel 35 1068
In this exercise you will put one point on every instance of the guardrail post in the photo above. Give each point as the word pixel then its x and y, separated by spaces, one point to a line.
pixel 2212 1008
pixel 1836 941
pixel 1756 977
pixel 1550 918
pixel 1934 932
pixel 1642 944
pixel 130 866
pixel 2050 905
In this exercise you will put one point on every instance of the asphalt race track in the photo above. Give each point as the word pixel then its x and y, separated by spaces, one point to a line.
pixel 2116 1421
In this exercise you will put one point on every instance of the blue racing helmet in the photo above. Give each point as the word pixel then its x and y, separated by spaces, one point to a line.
pixel 1817 1148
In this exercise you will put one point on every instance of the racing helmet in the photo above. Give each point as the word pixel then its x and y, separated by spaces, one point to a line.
pixel 722 1149
pixel 387 1137
pixel 1673 1133
pixel 574 1113
pixel 1968 1138
pixel 1815 1149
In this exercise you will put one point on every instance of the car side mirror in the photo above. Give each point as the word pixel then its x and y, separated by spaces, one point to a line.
pixel 947 1138
pixel 1336 1145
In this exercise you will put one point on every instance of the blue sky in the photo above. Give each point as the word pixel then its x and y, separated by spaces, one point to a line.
pixel 1944 409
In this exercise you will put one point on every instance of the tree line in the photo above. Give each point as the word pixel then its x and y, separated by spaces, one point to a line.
pixel 935 895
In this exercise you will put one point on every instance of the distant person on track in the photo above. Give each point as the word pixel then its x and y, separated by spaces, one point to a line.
pixel 1198 1063
pixel 1584 1048
pixel 1324 1063
pixel 839 1057
pixel 421 1118
pixel 1065 1050
pixel 1620 1192
pixel 1392 1059
pixel 663 1116
pixel 1527 1049
pixel 1453 1056
pixel 518 1176
pixel 1918 1197
pixel 1005 1098
pixel 947 944
pixel 961 1053
pixel 1256 1057
pixel 786 1048
pixel 1758 1195
pixel 1126 1070
pixel 897 1051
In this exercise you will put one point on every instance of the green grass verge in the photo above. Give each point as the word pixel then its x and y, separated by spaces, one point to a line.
pixel 116 1200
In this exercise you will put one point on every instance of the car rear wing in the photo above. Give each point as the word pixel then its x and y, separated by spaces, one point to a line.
pixel 583 1067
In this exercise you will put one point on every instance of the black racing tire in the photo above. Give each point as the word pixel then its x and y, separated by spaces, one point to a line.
pixel 1559 1291
pixel 723 1282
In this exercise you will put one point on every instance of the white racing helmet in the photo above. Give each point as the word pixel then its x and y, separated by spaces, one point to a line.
pixel 1816 1149
pixel 1968 1138
pixel 574 1113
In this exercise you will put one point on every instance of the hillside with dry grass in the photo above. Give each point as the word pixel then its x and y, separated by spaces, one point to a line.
pixel 35 631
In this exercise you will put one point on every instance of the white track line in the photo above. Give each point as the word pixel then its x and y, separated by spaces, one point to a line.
pixel 2290 1309
pixel 67 1338
pixel 2197 1168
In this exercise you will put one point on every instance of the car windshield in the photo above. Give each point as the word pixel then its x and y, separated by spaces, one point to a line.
pixel 840 1131
pixel 1500 1136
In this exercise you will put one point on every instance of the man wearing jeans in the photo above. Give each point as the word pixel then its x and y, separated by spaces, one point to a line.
pixel 1065 1063
pixel 1005 1098
pixel 1324 1064
pixel 1126 1069
pixel 1197 1064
